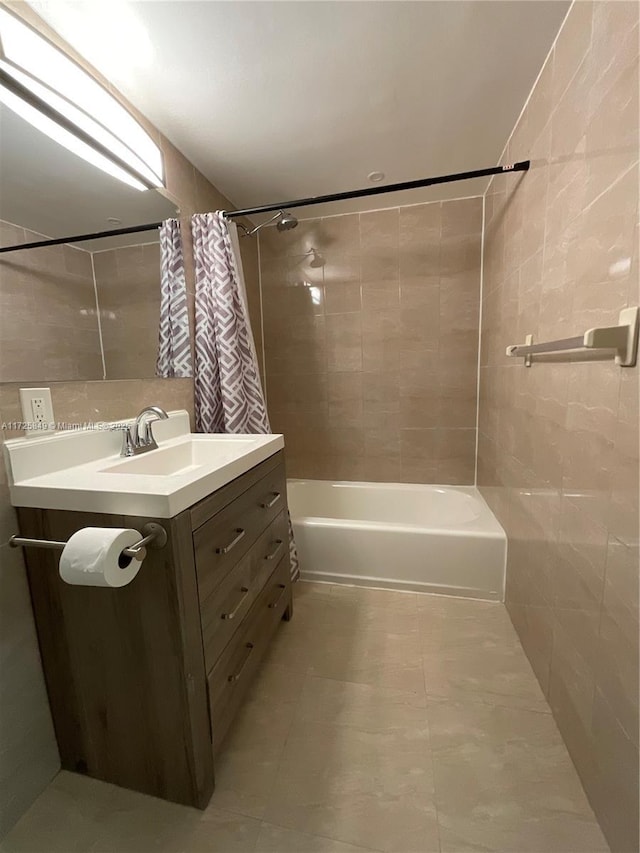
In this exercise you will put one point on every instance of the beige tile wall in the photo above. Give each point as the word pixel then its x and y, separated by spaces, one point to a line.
pixel 28 753
pixel 371 360
pixel 48 323
pixel 251 269
pixel 48 318
pixel 558 443
pixel 128 288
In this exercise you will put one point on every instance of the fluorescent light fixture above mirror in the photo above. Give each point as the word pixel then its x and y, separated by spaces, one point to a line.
pixel 58 97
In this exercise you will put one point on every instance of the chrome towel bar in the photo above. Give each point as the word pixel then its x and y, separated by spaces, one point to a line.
pixel 154 535
pixel 622 338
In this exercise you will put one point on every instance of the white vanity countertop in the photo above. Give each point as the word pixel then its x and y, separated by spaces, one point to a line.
pixel 82 470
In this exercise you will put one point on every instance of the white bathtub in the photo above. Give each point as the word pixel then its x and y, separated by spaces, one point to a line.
pixel 441 539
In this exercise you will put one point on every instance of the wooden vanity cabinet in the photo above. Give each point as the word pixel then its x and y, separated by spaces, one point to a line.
pixel 144 681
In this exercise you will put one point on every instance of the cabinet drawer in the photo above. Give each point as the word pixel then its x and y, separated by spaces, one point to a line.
pixel 223 540
pixel 205 509
pixel 227 606
pixel 232 675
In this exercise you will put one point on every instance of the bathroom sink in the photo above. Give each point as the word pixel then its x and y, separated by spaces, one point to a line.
pixel 82 470
pixel 195 452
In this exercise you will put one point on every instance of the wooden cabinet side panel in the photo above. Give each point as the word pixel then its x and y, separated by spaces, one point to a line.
pixel 66 709
pixel 193 652
pixel 122 666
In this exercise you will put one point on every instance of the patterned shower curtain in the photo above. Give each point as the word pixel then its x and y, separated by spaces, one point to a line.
pixel 228 391
pixel 174 343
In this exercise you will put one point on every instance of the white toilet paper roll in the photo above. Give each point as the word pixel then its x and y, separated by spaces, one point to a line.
pixel 92 557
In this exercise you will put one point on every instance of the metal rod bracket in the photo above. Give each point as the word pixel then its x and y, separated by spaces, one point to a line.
pixel 527 359
pixel 155 536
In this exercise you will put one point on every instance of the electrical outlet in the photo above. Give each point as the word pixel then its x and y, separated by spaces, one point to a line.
pixel 37 411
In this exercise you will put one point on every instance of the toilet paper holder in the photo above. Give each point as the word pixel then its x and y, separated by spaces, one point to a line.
pixel 154 535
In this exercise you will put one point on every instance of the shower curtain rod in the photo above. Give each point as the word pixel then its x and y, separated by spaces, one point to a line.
pixel 79 238
pixel 521 166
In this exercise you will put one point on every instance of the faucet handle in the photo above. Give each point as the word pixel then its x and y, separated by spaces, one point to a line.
pixel 127 442
pixel 149 439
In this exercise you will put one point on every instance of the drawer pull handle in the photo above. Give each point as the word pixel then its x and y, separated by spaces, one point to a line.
pixel 240 533
pixel 273 604
pixel 237 675
pixel 274 500
pixel 271 555
pixel 232 615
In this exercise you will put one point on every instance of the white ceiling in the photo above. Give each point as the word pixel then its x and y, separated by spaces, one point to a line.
pixel 279 100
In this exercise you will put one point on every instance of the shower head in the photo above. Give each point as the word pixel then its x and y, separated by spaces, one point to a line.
pixel 286 221
pixel 317 260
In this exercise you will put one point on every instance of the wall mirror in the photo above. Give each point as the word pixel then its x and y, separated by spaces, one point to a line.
pixel 80 311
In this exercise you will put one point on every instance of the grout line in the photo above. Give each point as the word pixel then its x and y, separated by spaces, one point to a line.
pixel 484 208
pixel 264 360
pixel 322 837
pixel 95 292
pixel 294 716
pixel 390 207
pixel 429 745
pixel 117 248
pixel 476 697
pixel 43 236
pixel 613 184
pixel 533 88
pixel 33 383
pixel 432 758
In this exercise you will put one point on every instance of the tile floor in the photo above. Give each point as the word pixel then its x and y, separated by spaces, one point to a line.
pixel 381 721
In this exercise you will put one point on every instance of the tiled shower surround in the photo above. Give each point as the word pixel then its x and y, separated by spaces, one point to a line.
pixel 558 443
pixel 50 299
pixel 48 323
pixel 128 293
pixel 371 358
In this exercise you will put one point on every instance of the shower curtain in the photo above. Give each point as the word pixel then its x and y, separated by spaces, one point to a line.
pixel 174 344
pixel 228 391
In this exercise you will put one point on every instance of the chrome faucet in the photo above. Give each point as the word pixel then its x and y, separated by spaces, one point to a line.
pixel 138 438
